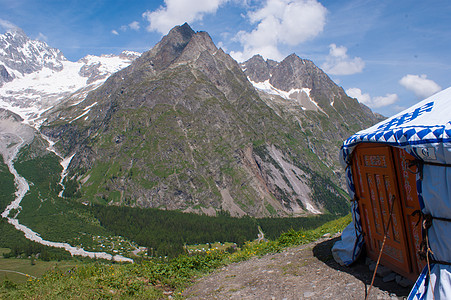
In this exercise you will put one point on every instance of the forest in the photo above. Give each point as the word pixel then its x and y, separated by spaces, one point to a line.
pixel 165 233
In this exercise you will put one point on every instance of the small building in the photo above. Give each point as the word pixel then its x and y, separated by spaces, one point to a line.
pixel 399 179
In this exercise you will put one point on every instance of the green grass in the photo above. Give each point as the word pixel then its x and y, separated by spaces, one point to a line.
pixel 25 266
pixel 149 279
pixel 216 246
pixel 54 218
pixel 7 188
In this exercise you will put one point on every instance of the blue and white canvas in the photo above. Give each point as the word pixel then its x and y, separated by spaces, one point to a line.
pixel 424 131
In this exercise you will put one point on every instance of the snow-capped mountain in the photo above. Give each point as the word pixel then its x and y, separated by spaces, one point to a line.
pixel 264 134
pixel 20 55
pixel 34 77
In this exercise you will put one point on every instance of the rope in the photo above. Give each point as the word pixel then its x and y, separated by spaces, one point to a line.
pixel 429 251
pixel 382 246
pixel 420 163
pixel 425 251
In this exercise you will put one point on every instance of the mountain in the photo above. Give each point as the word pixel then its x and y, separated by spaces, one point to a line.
pixel 19 55
pixel 298 90
pixel 186 127
pixel 34 76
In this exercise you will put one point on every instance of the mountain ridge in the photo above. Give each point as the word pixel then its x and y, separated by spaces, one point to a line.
pixel 186 127
pixel 34 76
pixel 209 126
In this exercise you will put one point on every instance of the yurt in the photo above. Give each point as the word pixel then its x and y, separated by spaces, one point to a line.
pixel 399 180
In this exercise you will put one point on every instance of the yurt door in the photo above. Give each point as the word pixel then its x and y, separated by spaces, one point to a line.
pixel 379 196
pixel 406 175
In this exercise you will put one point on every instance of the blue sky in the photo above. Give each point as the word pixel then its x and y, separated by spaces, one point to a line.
pixel 388 54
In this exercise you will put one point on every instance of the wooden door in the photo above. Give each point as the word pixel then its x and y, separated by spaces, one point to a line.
pixel 409 199
pixel 377 191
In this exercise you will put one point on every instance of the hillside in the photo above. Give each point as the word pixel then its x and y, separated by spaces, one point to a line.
pixel 297 90
pixel 184 128
pixel 269 269
pixel 300 272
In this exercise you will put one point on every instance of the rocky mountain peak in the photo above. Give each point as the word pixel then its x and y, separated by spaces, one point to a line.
pixel 17 35
pixel 46 75
pixel 292 74
pixel 21 55
pixel 170 47
pixel 181 45
pixel 256 69
pixel 199 42
pixel 183 128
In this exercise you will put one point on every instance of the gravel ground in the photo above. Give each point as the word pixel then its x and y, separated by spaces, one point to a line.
pixel 303 272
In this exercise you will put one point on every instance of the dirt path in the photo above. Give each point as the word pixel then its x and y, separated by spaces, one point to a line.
pixel 17 272
pixel 304 272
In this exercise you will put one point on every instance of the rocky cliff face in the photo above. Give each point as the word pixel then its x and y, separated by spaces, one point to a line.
pixel 4 75
pixel 301 92
pixel 186 127
pixel 183 128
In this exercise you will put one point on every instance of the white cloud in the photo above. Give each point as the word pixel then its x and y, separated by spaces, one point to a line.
pixel 222 46
pixel 134 25
pixel 375 102
pixel 420 85
pixel 177 12
pixel 357 93
pixel 41 37
pixel 339 63
pixel 7 25
pixel 288 22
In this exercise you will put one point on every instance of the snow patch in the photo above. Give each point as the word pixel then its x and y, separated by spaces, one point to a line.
pixel 86 111
pixel 90 106
pixel 301 96
pixel 30 95
pixel 311 209
pixel 65 164
pixel 268 88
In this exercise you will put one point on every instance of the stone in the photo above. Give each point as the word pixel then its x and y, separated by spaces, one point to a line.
pixel 404 282
pixel 383 271
pixel 389 277
pixel 309 294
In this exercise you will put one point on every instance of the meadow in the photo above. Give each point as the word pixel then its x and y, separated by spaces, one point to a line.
pixel 150 278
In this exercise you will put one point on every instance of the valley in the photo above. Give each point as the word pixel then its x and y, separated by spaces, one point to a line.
pixel 158 152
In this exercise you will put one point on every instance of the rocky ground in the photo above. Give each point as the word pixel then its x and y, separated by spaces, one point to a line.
pixel 303 272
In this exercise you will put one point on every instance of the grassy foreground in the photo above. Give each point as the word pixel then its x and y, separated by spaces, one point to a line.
pixel 150 279
pixel 19 270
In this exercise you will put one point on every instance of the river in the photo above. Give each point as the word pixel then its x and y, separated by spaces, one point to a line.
pixel 11 144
